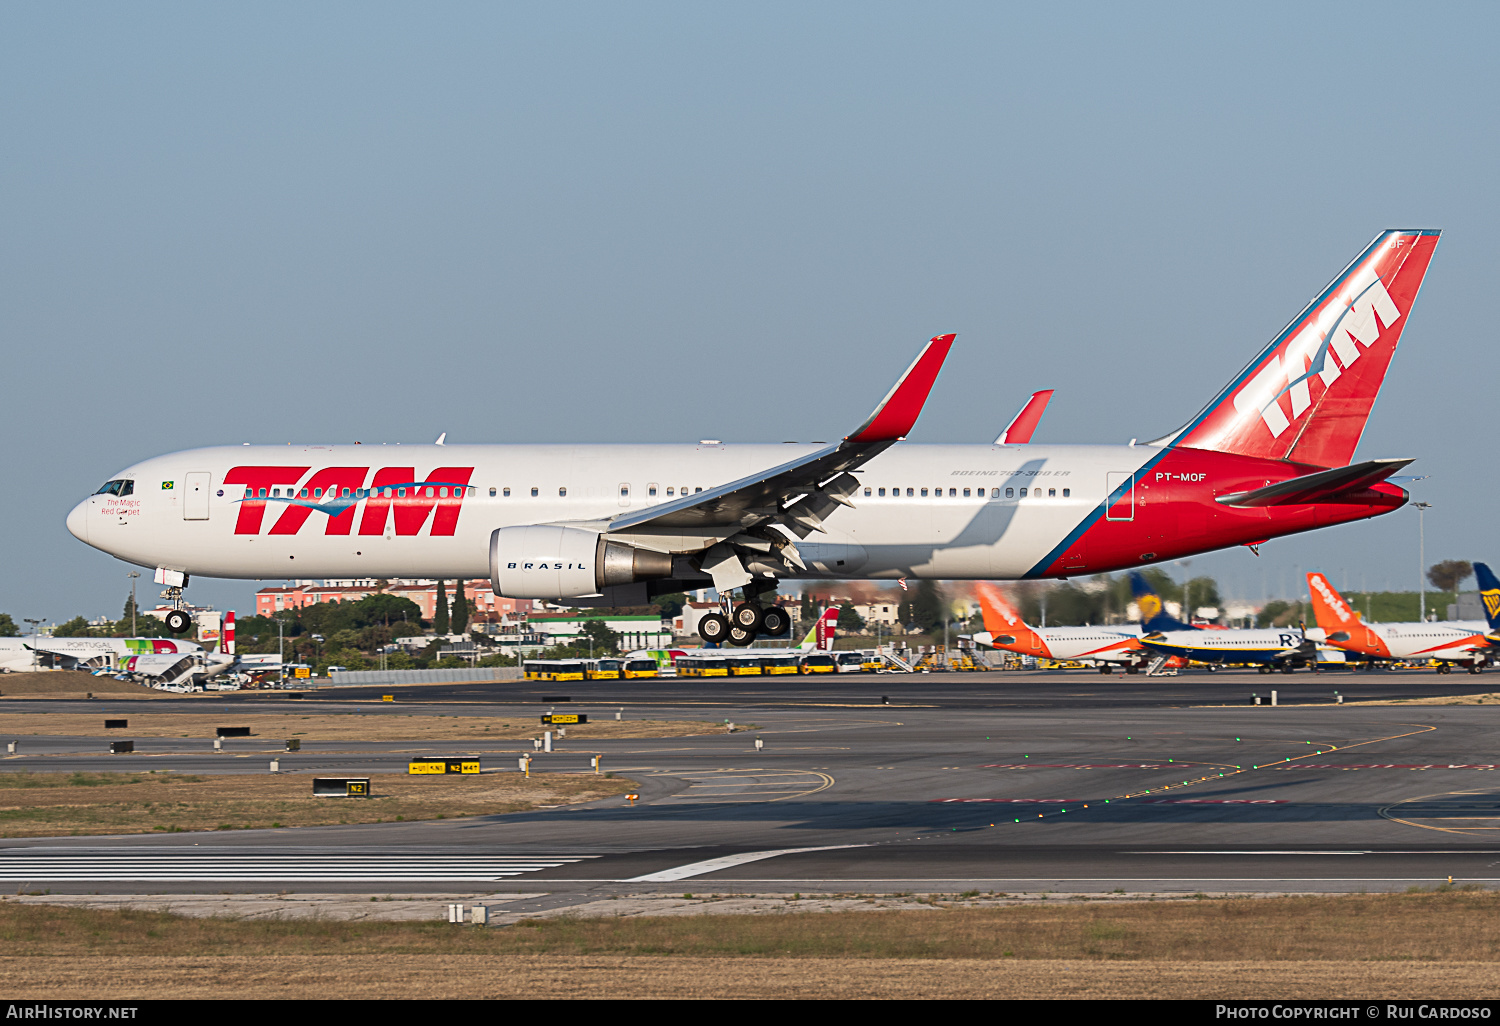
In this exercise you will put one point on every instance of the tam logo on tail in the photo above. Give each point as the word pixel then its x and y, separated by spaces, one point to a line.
pixel 1307 396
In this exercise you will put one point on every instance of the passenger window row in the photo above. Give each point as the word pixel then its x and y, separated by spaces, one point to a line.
pixel 953 493
pixel 431 492
pixel 562 492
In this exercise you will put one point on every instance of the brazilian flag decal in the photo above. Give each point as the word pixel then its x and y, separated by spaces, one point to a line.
pixel 166 486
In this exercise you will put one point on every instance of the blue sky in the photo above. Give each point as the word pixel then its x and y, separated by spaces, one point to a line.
pixel 661 222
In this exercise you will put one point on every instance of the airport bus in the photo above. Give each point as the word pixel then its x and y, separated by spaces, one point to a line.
pixel 636 668
pixel 850 662
pixel 711 663
pixel 819 662
pixel 773 665
pixel 604 669
pixel 553 669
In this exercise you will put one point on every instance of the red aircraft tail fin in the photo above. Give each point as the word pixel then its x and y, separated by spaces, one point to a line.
pixel 1307 396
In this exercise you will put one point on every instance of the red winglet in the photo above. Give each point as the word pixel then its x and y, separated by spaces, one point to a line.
pixel 898 411
pixel 1018 432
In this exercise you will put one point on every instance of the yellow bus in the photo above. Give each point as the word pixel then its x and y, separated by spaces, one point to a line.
pixel 714 665
pixel 553 669
pixel 603 669
pixel 819 662
pixel 638 668
pixel 776 665
pixel 744 665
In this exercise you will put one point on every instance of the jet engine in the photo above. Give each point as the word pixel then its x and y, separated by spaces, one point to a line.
pixel 547 562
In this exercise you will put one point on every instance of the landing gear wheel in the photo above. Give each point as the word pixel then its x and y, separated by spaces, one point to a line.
pixel 1444 668
pixel 714 628
pixel 739 637
pixel 774 622
pixel 1105 670
pixel 748 617
pixel 178 621
pixel 1288 668
pixel 1263 669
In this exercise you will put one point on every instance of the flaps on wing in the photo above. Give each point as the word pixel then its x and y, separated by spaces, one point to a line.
pixel 800 495
pixel 1324 486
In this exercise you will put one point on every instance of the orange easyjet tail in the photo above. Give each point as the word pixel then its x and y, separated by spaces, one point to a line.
pixel 1003 626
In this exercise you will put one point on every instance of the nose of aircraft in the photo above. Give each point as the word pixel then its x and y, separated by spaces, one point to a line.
pixel 78 521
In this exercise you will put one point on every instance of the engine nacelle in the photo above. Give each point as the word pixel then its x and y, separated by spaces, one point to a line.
pixel 546 562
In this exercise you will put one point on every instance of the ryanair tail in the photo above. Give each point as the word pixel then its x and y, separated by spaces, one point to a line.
pixel 1154 616
pixel 1306 397
pixel 820 638
pixel 1489 594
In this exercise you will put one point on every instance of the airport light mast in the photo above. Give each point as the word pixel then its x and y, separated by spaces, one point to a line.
pixel 1422 507
pixel 132 575
pixel 36 627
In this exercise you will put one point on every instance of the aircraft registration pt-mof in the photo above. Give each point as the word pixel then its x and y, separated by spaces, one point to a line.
pixel 617 524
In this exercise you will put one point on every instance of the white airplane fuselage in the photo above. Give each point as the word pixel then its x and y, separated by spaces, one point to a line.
pixel 1087 644
pixel 17 655
pixel 925 511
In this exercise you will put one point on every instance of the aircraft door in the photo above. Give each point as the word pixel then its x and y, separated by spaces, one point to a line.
pixel 195 496
pixel 1119 506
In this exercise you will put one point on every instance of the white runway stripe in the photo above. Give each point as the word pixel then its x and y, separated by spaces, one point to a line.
pixel 727 862
pixel 134 864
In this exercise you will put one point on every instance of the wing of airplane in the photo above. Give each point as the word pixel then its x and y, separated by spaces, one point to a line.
pixel 795 497
pixel 801 493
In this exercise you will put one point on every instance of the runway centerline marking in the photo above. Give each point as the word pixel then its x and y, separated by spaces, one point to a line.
pixel 727 862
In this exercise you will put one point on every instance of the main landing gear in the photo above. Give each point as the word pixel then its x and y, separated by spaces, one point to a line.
pixel 741 627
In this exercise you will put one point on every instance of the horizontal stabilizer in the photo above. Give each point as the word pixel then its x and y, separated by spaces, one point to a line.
pixel 1324 486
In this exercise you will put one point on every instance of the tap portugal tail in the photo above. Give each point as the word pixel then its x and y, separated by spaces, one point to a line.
pixel 820 638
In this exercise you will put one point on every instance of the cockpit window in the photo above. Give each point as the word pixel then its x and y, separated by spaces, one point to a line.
pixel 120 487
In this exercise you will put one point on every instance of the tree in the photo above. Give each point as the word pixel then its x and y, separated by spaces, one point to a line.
pixel 460 609
pixel 1447 575
pixel 670 605
pixel 606 641
pixel 8 627
pixel 850 621
pixel 440 617
pixel 927 607
pixel 131 617
pixel 77 627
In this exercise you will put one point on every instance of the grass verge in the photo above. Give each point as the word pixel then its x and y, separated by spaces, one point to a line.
pixel 54 804
pixel 1452 926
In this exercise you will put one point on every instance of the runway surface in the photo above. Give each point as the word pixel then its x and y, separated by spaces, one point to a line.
pixel 1007 782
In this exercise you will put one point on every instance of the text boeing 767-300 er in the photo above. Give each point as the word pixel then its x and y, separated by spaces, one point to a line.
pixel 617 524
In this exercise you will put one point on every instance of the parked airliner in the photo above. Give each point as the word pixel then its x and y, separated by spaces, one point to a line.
pixel 1105 647
pixel 617 524
pixel 1465 642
